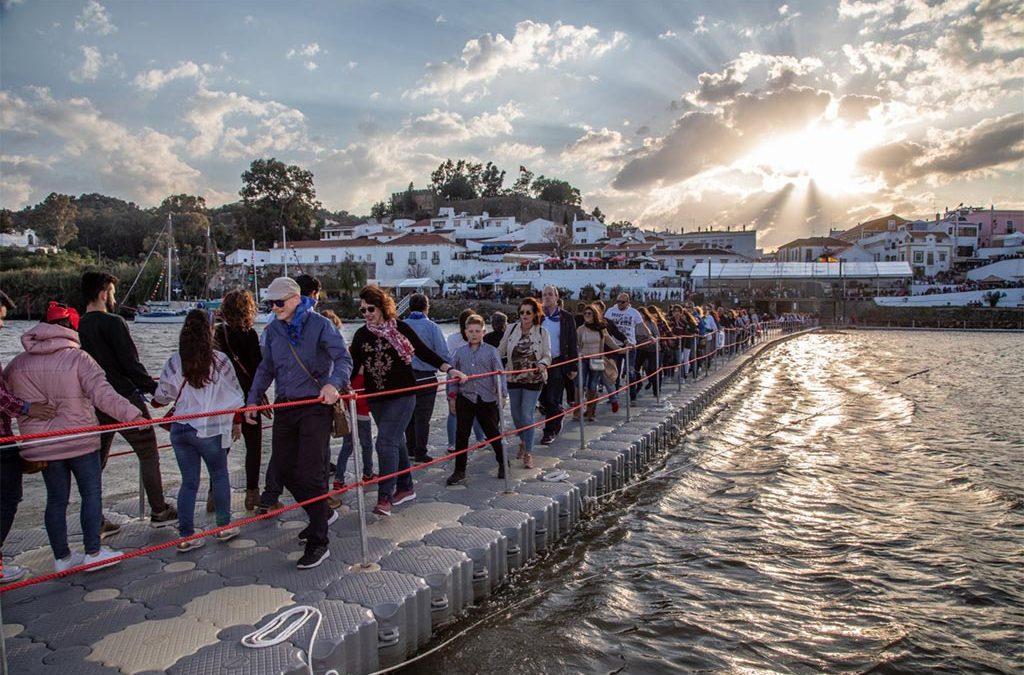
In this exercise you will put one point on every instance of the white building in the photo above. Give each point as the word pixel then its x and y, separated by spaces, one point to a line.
pixel 685 259
pixel 742 240
pixel 588 231
pixel 462 226
pixel 27 239
pixel 245 256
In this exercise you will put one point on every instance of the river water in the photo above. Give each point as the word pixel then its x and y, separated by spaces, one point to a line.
pixel 853 502
pixel 827 515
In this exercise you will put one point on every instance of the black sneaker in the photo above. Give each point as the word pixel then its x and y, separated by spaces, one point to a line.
pixel 304 533
pixel 313 556
pixel 457 478
pixel 169 516
pixel 547 439
pixel 422 459
pixel 501 473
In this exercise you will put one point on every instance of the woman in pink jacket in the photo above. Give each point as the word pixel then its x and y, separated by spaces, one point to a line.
pixel 54 368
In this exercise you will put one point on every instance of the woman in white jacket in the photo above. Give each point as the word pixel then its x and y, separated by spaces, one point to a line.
pixel 526 345
pixel 197 379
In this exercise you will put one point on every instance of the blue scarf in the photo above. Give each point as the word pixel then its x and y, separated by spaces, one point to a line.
pixel 294 327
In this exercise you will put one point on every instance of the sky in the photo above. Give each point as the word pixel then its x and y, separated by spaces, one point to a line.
pixel 793 117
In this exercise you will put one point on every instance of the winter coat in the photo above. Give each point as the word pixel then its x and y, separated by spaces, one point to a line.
pixel 55 369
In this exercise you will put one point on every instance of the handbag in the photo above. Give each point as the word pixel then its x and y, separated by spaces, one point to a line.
pixel 166 426
pixel 611 371
pixel 597 364
pixel 266 412
pixel 340 426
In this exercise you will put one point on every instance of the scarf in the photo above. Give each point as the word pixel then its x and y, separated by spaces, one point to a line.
pixel 594 326
pixel 389 331
pixel 294 327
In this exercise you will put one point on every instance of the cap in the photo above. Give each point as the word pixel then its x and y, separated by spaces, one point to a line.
pixel 282 287
pixel 56 311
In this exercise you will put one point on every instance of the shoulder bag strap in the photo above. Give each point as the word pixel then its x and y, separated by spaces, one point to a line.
pixel 303 365
pixel 234 357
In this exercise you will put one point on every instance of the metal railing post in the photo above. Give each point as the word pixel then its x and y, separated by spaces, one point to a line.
pixel 357 453
pixel 506 466
pixel 629 382
pixel 580 401
pixel 657 370
pixel 679 366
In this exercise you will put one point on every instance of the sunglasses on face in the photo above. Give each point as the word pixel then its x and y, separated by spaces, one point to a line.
pixel 525 312
pixel 369 309
pixel 279 303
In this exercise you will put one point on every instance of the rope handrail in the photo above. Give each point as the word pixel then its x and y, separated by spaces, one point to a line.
pixel 335 492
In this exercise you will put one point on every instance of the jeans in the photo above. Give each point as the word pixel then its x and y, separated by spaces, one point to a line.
pixel 591 378
pixel 143 442
pixel 365 432
pixel 480 412
pixel 551 398
pixel 523 403
pixel 57 477
pixel 418 431
pixel 190 450
pixel 10 488
pixel 451 425
pixel 392 415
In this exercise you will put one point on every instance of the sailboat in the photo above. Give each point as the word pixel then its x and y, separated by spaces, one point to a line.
pixel 164 312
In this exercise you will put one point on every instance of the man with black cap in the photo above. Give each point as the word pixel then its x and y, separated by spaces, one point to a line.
pixel 306 358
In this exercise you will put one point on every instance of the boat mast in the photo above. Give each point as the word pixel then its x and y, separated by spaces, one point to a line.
pixel 284 242
pixel 170 251
pixel 255 279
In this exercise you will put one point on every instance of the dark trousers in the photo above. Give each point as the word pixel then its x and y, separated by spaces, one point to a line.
pixel 418 430
pixel 298 438
pixel 143 442
pixel 10 488
pixel 466 412
pixel 252 434
pixel 551 398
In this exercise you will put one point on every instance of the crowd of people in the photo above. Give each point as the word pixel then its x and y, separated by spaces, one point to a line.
pixel 77 372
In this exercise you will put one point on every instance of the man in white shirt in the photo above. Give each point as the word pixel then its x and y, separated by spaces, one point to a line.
pixel 625 317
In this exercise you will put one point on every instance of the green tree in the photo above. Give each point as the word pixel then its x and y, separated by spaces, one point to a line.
pixel 53 219
pixel 491 180
pixel 522 185
pixel 349 277
pixel 275 194
pixel 459 180
pixel 622 224
pixel 458 188
pixel 556 191
pixel 597 214
pixel 408 201
pixel 381 210
pixel 6 220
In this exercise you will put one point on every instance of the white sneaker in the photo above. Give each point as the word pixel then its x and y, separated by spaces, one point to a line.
pixel 103 554
pixel 11 573
pixel 333 519
pixel 73 560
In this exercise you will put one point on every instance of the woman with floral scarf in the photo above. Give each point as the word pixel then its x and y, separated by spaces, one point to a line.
pixel 383 349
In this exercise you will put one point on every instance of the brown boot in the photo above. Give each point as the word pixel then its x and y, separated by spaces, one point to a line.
pixel 591 405
pixel 252 498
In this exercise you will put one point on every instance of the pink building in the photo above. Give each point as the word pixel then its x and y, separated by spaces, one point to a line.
pixel 990 222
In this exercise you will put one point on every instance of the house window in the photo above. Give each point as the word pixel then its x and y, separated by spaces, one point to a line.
pixel 423 255
pixel 389 259
pixel 1009 227
pixel 334 258
pixel 369 257
pixel 931 258
pixel 918 257
pixel 436 258
pixel 942 257
pixel 316 258
pixel 412 258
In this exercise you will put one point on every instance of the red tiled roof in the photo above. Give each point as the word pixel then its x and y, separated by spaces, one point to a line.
pixel 830 242
pixel 332 243
pixel 431 239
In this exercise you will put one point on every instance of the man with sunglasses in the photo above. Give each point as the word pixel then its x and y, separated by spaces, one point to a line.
pixel 626 318
pixel 306 358
pixel 561 326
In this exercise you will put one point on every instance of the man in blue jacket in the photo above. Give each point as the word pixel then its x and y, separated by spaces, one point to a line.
pixel 306 358
pixel 418 431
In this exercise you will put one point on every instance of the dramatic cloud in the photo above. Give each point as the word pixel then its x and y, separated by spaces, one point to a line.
pixel 277 127
pixel 989 144
pixel 94 19
pixel 531 46
pixel 152 80
pixel 444 126
pixel 856 108
pixel 142 165
pixel 596 149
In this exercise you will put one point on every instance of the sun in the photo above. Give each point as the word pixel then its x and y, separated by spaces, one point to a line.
pixel 825 153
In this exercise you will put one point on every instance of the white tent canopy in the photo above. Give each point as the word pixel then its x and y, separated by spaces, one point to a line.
pixel 418 284
pixel 1004 269
pixel 804 271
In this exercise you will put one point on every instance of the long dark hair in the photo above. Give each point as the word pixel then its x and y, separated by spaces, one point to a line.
pixel 195 345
